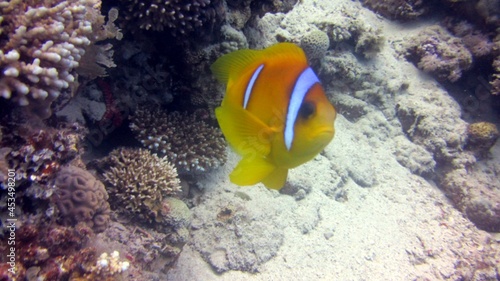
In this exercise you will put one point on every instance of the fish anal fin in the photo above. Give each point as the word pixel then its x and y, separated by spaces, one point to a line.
pixel 276 179
pixel 251 170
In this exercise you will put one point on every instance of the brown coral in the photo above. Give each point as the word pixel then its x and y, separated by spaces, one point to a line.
pixel 80 197
pixel 398 9
pixel 138 181
pixel 436 51
pixel 41 46
pixel 190 143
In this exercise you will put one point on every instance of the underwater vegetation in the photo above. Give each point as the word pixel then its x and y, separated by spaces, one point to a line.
pixel 111 121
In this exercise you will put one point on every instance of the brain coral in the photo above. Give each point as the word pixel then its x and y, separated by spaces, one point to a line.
pixel 80 197
pixel 191 144
pixel 41 44
pixel 180 17
pixel 315 44
pixel 139 181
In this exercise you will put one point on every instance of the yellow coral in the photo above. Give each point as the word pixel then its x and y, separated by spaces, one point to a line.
pixel 482 135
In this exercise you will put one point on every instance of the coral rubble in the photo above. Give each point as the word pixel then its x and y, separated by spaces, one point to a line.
pixel 41 47
pixel 80 197
pixel 189 143
pixel 138 182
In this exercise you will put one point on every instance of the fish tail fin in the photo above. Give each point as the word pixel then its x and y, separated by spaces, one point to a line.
pixel 276 180
pixel 251 170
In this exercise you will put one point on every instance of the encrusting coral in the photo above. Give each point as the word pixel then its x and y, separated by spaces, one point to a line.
pixel 139 181
pixel 80 197
pixel 41 46
pixel 189 143
pixel 436 51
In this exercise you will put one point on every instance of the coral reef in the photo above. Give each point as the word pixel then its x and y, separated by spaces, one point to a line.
pixel 56 253
pixel 37 151
pixel 189 143
pixel 41 46
pixel 315 44
pixel 151 253
pixel 179 17
pixel 138 182
pixel 436 51
pixel 80 197
pixel 398 9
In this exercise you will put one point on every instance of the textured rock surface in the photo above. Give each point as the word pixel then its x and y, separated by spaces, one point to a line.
pixel 232 233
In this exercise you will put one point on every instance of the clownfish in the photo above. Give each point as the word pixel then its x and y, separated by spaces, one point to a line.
pixel 275 113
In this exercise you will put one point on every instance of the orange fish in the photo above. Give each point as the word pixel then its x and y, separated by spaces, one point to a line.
pixel 275 114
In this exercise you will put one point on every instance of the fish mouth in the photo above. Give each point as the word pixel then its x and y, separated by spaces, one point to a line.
pixel 325 134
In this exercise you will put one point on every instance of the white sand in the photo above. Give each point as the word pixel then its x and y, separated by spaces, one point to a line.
pixel 399 227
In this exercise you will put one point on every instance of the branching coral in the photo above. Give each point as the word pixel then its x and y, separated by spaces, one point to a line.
pixel 80 197
pixel 436 51
pixel 41 46
pixel 191 144
pixel 138 181
pixel 180 17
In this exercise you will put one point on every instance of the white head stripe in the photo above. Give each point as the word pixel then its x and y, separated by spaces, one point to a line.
pixel 248 91
pixel 305 81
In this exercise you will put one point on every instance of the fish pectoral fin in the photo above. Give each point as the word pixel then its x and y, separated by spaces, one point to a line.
pixel 277 178
pixel 251 170
pixel 245 133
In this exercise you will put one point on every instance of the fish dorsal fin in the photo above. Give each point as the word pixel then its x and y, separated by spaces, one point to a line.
pixel 245 133
pixel 232 65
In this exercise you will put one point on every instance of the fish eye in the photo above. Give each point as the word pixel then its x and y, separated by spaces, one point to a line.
pixel 307 109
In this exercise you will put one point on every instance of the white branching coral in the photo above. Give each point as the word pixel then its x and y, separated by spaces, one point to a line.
pixel 139 181
pixel 41 45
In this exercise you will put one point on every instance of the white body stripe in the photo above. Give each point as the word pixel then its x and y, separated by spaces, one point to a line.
pixel 249 88
pixel 305 81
